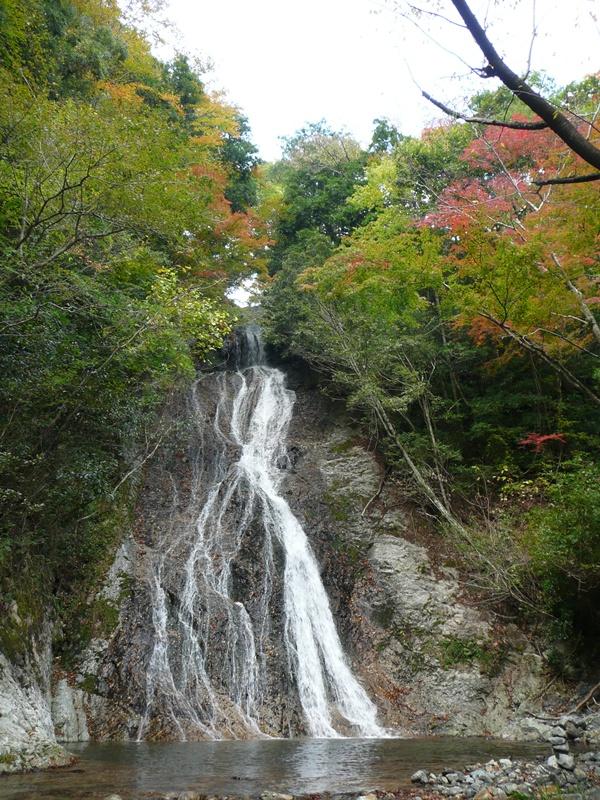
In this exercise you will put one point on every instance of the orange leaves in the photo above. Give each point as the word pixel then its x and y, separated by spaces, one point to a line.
pixel 481 330
pixel 246 228
pixel 466 203
pixel 499 193
pixel 122 93
pixel 136 95
pixel 211 274
pixel 212 174
pixel 517 251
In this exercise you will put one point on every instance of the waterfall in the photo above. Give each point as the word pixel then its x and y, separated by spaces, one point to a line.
pixel 209 662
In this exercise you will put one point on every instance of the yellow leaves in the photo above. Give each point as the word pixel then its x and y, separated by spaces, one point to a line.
pixel 136 96
pixel 102 12
pixel 183 307
pixel 121 93
pixel 271 198
pixel 139 64
pixel 172 100
pixel 213 121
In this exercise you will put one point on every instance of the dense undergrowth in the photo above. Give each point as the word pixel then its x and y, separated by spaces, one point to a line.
pixel 453 304
pixel 125 194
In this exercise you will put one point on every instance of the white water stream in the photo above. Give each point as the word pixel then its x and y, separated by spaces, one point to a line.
pixel 252 416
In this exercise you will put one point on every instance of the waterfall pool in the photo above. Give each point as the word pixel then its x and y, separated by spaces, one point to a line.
pixel 295 766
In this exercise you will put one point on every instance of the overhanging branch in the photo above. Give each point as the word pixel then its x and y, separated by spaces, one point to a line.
pixel 554 118
pixel 591 176
pixel 520 126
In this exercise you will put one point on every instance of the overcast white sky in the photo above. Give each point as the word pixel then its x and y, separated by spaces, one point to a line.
pixel 288 62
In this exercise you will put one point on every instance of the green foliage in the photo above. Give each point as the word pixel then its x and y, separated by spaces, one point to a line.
pixel 425 166
pixel 455 310
pixel 318 173
pixel 563 539
pixel 24 38
pixel 285 308
pixel 89 684
pixel 501 103
pixel 461 651
pixel 486 654
pixel 117 244
pixel 385 137
pixel 183 81
pixel 238 154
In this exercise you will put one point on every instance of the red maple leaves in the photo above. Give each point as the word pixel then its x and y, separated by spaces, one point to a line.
pixel 538 441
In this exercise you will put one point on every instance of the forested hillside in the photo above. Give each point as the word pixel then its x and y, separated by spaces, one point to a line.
pixel 444 287
pixel 124 200
pixel 449 294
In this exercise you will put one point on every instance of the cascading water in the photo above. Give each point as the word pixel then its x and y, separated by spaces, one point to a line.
pixel 213 628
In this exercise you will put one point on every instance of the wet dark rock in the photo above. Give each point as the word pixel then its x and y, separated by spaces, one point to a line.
pixel 395 607
pixel 572 729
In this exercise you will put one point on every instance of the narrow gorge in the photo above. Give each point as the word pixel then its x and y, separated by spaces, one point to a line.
pixel 242 626
pixel 299 401
pixel 273 585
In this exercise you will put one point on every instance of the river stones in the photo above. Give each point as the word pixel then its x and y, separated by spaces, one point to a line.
pixel 275 796
pixel 497 780
pixel 565 761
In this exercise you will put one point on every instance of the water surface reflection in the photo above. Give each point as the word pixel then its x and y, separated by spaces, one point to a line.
pixel 299 766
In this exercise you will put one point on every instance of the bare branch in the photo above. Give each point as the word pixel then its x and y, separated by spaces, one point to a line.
pixel 496 67
pixel 591 176
pixel 520 126
pixel 533 37
pixel 419 10
pixel 585 309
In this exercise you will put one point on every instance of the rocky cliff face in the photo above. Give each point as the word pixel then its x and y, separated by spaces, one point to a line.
pixel 433 659
pixel 27 738
pixel 430 657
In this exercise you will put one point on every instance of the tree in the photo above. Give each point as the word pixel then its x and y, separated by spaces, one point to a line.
pixel 564 125
pixel 457 319
pixel 117 246
pixel 317 174
pixel 385 136
pixel 239 155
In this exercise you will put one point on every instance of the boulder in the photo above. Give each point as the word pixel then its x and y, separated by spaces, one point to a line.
pixel 482 775
pixel 560 748
pixel 565 761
